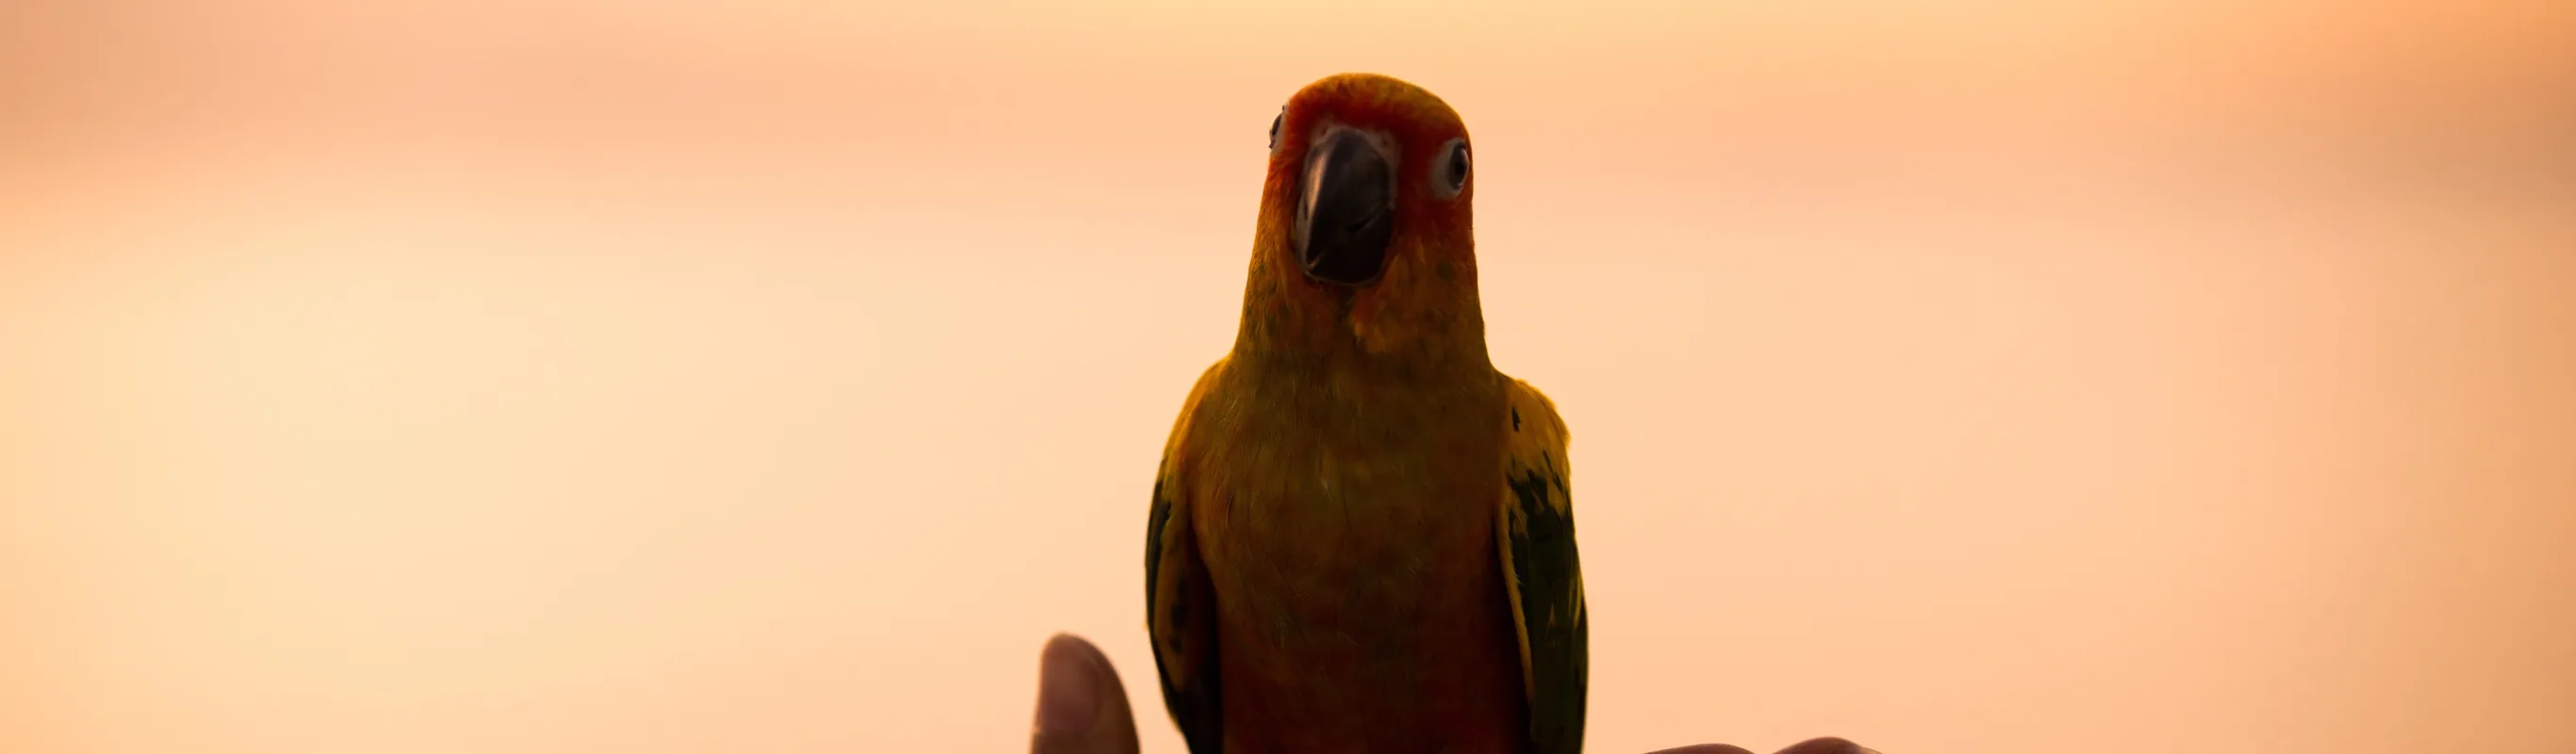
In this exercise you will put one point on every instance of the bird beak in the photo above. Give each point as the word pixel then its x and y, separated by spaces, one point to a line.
pixel 1345 209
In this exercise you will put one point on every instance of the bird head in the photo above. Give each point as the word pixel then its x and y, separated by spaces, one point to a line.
pixel 1365 245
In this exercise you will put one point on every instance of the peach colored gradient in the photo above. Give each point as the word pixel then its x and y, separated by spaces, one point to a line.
pixel 577 376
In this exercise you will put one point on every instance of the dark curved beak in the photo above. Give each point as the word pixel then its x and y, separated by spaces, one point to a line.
pixel 1345 210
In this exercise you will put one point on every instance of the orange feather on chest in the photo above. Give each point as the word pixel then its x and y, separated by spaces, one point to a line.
pixel 1347 531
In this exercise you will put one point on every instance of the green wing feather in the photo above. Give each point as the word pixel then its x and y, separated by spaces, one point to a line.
pixel 1180 606
pixel 1542 571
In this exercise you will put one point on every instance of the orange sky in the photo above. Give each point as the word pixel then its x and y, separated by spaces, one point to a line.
pixel 579 376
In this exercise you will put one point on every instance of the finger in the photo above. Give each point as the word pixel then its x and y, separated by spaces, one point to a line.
pixel 1082 708
pixel 1704 749
pixel 1827 745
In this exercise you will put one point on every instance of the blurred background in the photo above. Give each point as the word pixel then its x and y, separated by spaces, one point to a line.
pixel 695 376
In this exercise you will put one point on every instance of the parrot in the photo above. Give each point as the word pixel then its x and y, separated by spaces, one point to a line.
pixel 1361 537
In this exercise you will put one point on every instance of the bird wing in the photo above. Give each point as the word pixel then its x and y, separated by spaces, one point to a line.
pixel 1541 570
pixel 1180 604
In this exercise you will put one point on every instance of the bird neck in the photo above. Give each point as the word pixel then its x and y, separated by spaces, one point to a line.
pixel 1341 334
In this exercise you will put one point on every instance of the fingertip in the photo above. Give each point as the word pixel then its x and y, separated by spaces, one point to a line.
pixel 1827 745
pixel 1068 686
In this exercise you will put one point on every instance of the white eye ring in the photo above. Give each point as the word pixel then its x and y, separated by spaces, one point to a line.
pixel 1449 172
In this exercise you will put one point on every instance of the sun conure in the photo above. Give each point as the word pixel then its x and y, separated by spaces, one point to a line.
pixel 1361 537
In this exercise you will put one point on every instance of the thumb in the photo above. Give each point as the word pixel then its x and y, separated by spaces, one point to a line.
pixel 1082 708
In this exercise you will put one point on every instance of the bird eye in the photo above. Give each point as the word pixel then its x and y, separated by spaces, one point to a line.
pixel 1451 175
pixel 1274 128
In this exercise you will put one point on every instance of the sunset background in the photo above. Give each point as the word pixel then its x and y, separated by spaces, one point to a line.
pixel 695 376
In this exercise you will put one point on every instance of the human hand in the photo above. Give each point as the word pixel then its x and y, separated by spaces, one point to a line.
pixel 1082 709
